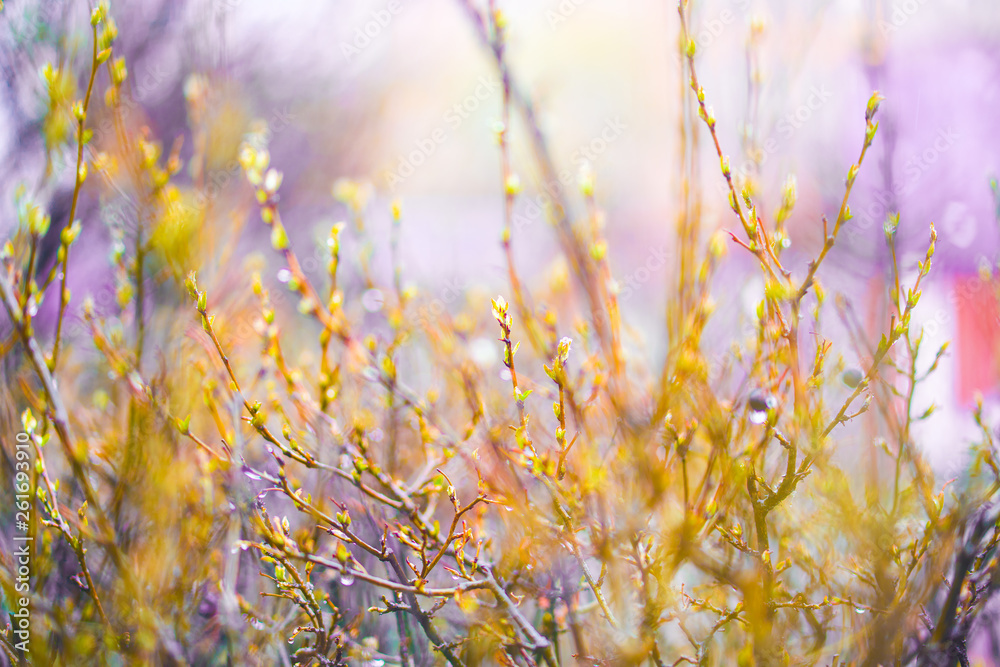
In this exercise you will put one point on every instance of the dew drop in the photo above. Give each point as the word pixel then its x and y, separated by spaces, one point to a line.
pixel 377 662
pixel 284 275
pixel 346 579
pixel 251 474
pixel 372 300
pixel 852 377
pixel 760 402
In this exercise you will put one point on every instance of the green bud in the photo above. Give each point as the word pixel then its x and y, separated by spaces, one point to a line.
pixel 279 237
pixel 872 108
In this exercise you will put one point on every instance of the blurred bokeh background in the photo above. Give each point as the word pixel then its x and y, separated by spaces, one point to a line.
pixel 367 103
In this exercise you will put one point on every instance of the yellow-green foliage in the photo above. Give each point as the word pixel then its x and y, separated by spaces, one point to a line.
pixel 261 474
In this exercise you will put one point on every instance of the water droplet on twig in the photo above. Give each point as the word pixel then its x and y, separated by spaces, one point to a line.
pixel 852 377
pixel 760 403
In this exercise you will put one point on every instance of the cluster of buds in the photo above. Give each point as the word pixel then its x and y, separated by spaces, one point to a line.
pixel 505 321
pixel 789 196
pixel 106 31
pixel 255 163
pixel 557 371
pixel 158 176
pixel 871 127
pixel 266 182
pixel 31 216
pixel 99 18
